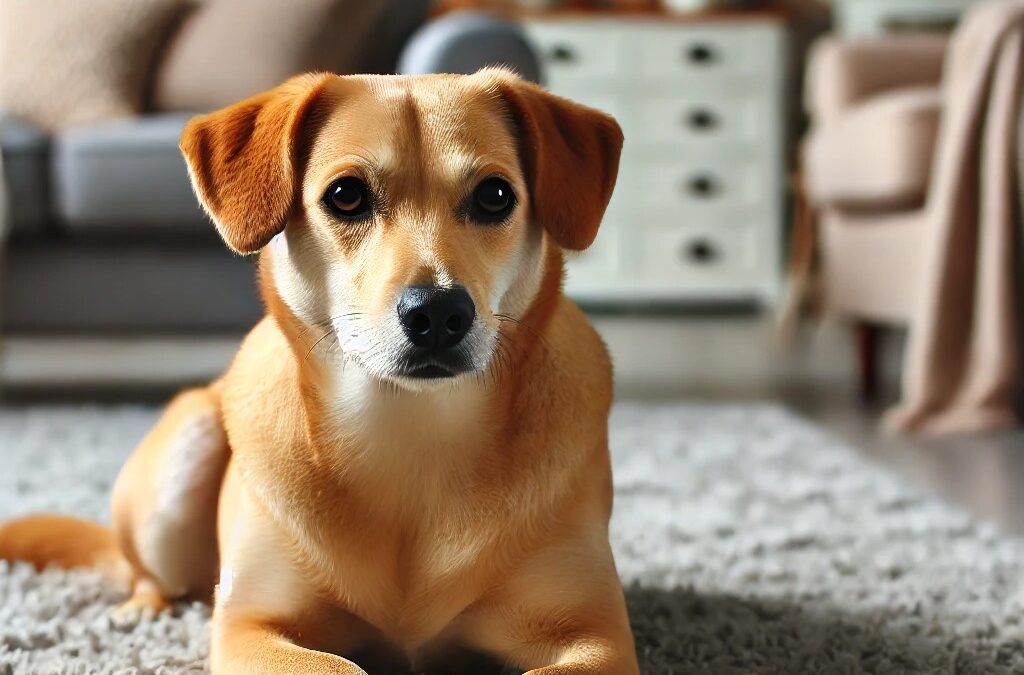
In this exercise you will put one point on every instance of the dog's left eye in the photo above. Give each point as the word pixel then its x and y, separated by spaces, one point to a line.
pixel 493 200
pixel 348 197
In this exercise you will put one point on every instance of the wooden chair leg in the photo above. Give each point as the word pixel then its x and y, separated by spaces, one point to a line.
pixel 866 338
pixel 801 293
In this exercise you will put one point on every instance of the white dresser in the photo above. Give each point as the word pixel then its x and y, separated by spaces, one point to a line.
pixel 697 210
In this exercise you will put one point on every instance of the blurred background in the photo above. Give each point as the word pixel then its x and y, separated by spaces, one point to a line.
pixel 787 226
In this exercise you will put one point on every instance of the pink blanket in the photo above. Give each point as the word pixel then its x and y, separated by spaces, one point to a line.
pixel 962 370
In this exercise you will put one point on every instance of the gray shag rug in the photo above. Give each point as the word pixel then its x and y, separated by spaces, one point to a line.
pixel 750 543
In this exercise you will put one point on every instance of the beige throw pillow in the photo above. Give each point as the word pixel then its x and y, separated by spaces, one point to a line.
pixel 71 62
pixel 230 49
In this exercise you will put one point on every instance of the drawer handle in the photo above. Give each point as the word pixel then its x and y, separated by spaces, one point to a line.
pixel 701 252
pixel 701 54
pixel 562 54
pixel 702 120
pixel 703 186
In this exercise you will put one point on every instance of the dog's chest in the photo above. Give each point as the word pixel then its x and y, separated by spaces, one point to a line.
pixel 412 579
pixel 425 540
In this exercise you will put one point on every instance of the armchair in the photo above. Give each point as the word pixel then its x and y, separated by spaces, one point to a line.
pixel 875 108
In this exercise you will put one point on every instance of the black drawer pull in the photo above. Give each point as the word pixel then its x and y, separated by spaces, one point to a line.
pixel 702 120
pixel 700 251
pixel 703 185
pixel 562 54
pixel 701 54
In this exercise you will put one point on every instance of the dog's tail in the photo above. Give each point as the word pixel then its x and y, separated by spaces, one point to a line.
pixel 62 541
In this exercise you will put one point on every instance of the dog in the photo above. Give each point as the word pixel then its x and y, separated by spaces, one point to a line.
pixel 409 453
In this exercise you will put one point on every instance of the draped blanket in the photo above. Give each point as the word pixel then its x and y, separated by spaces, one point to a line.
pixel 962 370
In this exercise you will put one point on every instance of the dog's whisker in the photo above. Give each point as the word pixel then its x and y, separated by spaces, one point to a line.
pixel 306 328
pixel 322 338
pixel 506 319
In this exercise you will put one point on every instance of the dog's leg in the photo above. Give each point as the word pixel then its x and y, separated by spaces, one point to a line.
pixel 561 613
pixel 586 641
pixel 592 659
pixel 271 613
pixel 165 503
pixel 613 655
pixel 256 648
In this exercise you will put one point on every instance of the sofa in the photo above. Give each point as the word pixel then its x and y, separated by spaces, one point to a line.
pixel 102 233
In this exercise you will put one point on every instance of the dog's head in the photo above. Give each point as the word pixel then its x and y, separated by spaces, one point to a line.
pixel 407 216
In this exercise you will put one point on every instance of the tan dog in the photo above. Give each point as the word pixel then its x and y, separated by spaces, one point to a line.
pixel 409 453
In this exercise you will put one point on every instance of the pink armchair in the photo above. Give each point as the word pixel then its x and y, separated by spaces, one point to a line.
pixel 875 108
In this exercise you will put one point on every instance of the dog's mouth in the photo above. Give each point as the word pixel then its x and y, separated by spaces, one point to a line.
pixel 385 356
pixel 430 371
pixel 423 365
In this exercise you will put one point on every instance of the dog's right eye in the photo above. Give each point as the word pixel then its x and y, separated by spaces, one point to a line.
pixel 492 201
pixel 348 197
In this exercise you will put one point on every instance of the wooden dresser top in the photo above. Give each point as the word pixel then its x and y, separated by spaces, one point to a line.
pixel 576 11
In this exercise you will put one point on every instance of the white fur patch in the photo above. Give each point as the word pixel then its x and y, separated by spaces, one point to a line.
pixel 227 582
pixel 353 335
pixel 298 274
pixel 189 460
pixel 191 467
pixel 520 278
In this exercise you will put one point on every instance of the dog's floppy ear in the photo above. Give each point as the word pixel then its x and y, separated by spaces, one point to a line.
pixel 242 160
pixel 571 153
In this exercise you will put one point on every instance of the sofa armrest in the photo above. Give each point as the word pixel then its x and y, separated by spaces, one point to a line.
pixel 464 42
pixel 843 72
pixel 25 152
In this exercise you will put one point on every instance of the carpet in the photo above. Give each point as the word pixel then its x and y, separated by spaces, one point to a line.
pixel 750 542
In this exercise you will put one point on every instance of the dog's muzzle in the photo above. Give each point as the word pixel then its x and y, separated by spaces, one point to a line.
pixel 435 321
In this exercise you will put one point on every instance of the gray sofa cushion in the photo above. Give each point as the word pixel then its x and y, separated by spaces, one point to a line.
pixel 54 285
pixel 26 157
pixel 126 176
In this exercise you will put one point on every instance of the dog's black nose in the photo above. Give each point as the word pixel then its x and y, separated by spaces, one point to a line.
pixel 436 318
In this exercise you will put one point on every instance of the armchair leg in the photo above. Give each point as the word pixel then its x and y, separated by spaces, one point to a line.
pixel 802 297
pixel 866 339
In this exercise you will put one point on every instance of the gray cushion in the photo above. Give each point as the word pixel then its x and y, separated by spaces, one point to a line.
pixel 125 176
pixel 464 42
pixel 26 151
pixel 57 285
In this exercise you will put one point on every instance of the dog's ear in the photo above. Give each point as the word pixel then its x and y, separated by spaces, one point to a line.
pixel 242 160
pixel 571 155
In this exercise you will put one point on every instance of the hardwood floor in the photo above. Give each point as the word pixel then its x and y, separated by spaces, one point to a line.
pixel 983 473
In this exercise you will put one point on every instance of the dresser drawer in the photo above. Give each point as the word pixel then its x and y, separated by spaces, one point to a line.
pixel 693 185
pixel 695 119
pixel 699 52
pixel 575 52
pixel 689 252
